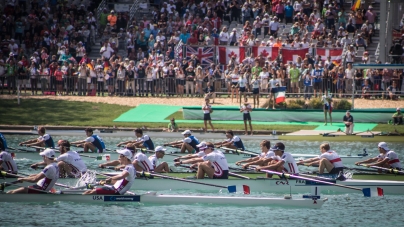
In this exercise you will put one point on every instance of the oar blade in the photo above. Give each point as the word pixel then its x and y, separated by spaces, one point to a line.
pixel 246 189
pixel 373 192
pixel 232 189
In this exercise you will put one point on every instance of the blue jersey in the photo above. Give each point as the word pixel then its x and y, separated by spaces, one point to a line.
pixel 47 139
pixel 238 143
pixel 317 73
pixel 194 142
pixel 98 143
pixel 147 142
pixel 4 147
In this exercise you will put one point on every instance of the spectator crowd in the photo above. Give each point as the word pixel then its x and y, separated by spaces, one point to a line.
pixel 45 48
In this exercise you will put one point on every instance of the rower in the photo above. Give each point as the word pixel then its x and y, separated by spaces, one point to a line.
pixel 118 165
pixel 142 141
pixel 213 164
pixel 6 160
pixel 3 142
pixel 142 163
pixel 388 158
pixel 92 142
pixel 44 140
pixel 188 143
pixel 232 141
pixel 161 167
pixel 46 179
pixel 122 182
pixel 328 159
pixel 198 155
pixel 287 162
pixel 263 158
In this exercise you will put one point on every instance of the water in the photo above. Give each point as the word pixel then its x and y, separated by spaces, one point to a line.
pixel 340 210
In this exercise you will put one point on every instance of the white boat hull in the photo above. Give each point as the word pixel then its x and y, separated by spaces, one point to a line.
pixel 256 185
pixel 158 199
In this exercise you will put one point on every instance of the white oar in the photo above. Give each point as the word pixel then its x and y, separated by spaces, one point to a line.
pixel 239 151
pixel 367 192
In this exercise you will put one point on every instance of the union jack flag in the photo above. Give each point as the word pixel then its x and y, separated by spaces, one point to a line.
pixel 205 55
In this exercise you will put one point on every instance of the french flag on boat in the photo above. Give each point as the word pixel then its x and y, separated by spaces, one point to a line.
pixel 233 189
pixel 373 192
pixel 280 94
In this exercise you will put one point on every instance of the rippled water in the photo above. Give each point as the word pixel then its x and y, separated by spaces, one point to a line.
pixel 340 210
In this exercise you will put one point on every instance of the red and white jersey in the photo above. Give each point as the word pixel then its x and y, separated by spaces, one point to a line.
pixel 144 162
pixel 154 160
pixel 394 162
pixel 124 185
pixel 73 159
pixel 290 163
pixel 8 162
pixel 201 154
pixel 218 161
pixel 333 157
pixel 51 172
pixel 381 156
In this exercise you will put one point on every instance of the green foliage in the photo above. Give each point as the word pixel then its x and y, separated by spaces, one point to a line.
pixel 342 104
pixel 316 103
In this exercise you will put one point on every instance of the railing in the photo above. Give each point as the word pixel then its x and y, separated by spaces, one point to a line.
pixel 170 86
pixel 133 10
pixel 100 8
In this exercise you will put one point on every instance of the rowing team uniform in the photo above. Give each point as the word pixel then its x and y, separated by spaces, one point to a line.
pixel 97 142
pixel 394 162
pixel 144 162
pixel 47 139
pixel 192 141
pixel 206 113
pixel 51 173
pixel 3 140
pixel 154 161
pixel 237 142
pixel 73 159
pixel 334 158
pixel 8 163
pixel 147 142
pixel 246 113
pixel 327 105
pixel 121 186
pixel 290 165
pixel 219 163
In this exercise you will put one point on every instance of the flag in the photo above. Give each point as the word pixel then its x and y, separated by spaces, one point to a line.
pixel 90 66
pixel 335 53
pixel 178 50
pixel 233 189
pixel 372 192
pixel 205 55
pixel 356 5
pixel 291 54
pixel 280 94
pixel 225 53
pixel 266 52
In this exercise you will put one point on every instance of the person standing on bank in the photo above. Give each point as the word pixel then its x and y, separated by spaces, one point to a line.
pixel 327 107
pixel 246 109
pixel 207 110
pixel 349 124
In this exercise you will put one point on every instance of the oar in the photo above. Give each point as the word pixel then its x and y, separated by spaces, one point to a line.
pixel 170 144
pixel 152 151
pixel 391 170
pixel 83 155
pixel 238 151
pixel 366 191
pixel 230 173
pixel 3 173
pixel 19 149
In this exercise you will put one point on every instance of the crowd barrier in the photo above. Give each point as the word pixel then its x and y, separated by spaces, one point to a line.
pixel 49 85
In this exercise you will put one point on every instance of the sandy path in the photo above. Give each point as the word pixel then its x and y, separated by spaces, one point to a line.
pixel 134 101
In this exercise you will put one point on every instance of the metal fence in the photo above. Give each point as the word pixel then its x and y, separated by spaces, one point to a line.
pixel 372 87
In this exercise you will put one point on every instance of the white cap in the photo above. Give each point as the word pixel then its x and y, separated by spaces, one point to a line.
pixel 49 153
pixel 383 145
pixel 186 132
pixel 201 144
pixel 398 109
pixel 159 148
pixel 126 152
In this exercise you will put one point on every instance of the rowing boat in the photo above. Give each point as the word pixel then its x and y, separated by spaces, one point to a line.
pixel 369 137
pixel 160 199
pixel 259 184
pixel 231 157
